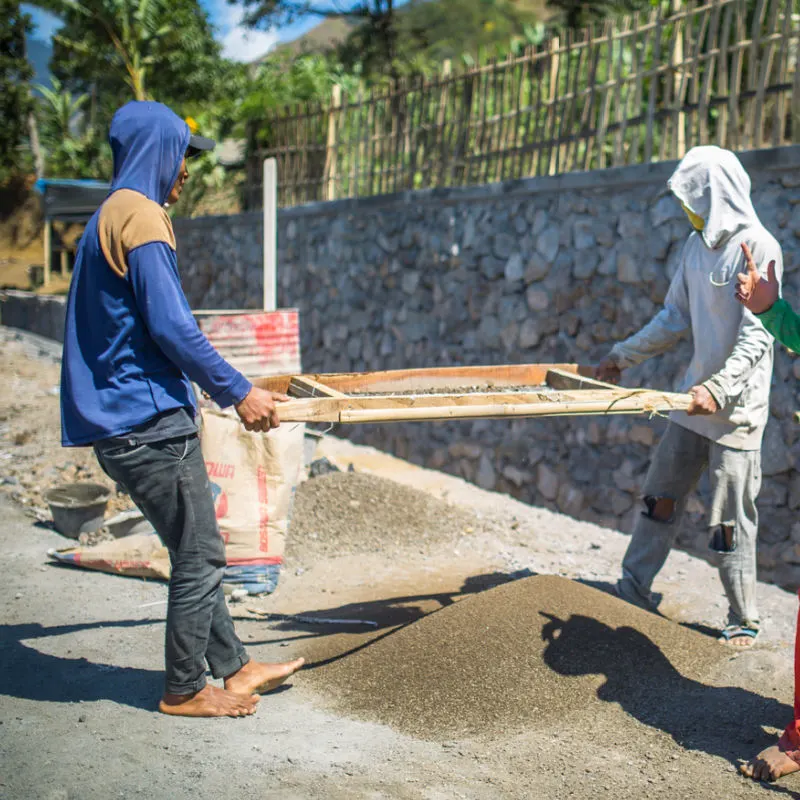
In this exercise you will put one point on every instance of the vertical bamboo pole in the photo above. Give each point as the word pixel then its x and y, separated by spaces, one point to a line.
pixel 734 131
pixel 517 140
pixel 694 92
pixel 503 119
pixel 551 99
pixel 638 94
pixel 531 114
pixel 722 75
pixel 596 99
pixel 330 157
pixel 679 124
pixel 358 145
pixel 563 122
pixel 750 106
pixel 764 76
pixel 620 156
pixel 796 102
pixel 605 106
pixel 451 142
pixel 441 119
pixel 666 101
pixel 535 162
pixel 779 119
pixel 371 118
pixel 490 99
pixel 459 170
pixel 708 76
pixel 399 93
pixel 413 134
pixel 480 133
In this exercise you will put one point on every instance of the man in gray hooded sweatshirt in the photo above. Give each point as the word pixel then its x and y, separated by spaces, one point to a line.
pixel 729 378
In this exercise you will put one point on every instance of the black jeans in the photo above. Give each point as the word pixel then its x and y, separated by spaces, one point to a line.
pixel 169 483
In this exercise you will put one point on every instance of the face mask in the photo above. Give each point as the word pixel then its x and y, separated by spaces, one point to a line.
pixel 698 223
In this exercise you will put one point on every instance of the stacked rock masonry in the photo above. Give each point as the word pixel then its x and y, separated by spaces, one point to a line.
pixel 543 270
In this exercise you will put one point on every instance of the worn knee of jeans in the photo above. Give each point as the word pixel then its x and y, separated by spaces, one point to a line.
pixel 723 539
pixel 659 509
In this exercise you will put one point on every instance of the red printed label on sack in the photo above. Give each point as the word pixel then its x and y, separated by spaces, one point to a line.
pixel 221 471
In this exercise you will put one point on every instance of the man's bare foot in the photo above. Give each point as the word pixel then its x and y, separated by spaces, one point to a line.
pixel 769 765
pixel 741 642
pixel 210 701
pixel 257 678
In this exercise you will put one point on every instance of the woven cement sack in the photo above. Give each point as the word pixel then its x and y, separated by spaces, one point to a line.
pixel 253 477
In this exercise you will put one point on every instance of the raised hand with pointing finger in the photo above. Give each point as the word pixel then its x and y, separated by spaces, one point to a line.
pixel 754 292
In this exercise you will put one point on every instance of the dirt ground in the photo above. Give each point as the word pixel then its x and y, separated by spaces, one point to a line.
pixel 495 666
pixel 31 457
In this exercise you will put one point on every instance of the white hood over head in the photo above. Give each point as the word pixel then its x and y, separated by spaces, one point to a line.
pixel 712 183
pixel 732 351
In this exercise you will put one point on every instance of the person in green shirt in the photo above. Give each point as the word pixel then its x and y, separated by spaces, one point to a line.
pixel 761 295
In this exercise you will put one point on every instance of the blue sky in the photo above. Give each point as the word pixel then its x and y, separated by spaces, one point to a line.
pixel 238 43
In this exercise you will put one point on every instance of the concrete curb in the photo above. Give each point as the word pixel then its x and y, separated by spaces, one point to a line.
pixel 37 313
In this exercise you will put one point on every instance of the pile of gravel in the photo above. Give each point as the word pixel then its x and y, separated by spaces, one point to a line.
pixel 345 513
pixel 523 655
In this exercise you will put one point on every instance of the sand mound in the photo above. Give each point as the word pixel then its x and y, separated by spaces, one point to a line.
pixel 520 656
pixel 349 512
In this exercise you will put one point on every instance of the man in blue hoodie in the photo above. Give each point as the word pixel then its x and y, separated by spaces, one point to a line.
pixel 131 351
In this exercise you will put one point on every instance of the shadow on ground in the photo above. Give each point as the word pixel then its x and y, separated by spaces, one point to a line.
pixel 724 721
pixel 32 675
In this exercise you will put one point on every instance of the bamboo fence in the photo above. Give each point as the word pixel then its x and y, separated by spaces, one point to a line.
pixel 645 88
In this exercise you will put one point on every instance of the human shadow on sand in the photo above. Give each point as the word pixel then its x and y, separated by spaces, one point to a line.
pixel 30 674
pixel 723 721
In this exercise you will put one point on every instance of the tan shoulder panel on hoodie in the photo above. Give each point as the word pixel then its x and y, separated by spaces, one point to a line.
pixel 127 221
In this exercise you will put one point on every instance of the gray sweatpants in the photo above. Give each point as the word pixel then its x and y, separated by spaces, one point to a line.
pixel 678 461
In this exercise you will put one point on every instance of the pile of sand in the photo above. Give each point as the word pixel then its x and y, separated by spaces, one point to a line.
pixel 522 655
pixel 345 513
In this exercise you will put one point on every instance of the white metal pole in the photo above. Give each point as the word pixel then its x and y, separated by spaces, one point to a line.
pixel 270 234
pixel 48 250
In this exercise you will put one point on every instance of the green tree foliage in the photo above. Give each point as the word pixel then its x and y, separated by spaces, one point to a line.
pixel 391 40
pixel 110 51
pixel 137 49
pixel 580 13
pixel 73 145
pixel 15 74
pixel 285 81
pixel 428 33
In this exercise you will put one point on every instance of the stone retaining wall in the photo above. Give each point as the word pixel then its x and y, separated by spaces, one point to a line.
pixel 541 270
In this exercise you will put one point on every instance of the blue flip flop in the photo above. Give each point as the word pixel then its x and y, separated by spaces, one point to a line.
pixel 730 632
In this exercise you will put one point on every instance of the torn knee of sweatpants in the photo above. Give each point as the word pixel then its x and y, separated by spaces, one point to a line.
pixel 723 539
pixel 659 509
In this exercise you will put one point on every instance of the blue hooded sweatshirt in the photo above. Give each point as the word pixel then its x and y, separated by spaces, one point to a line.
pixel 131 344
